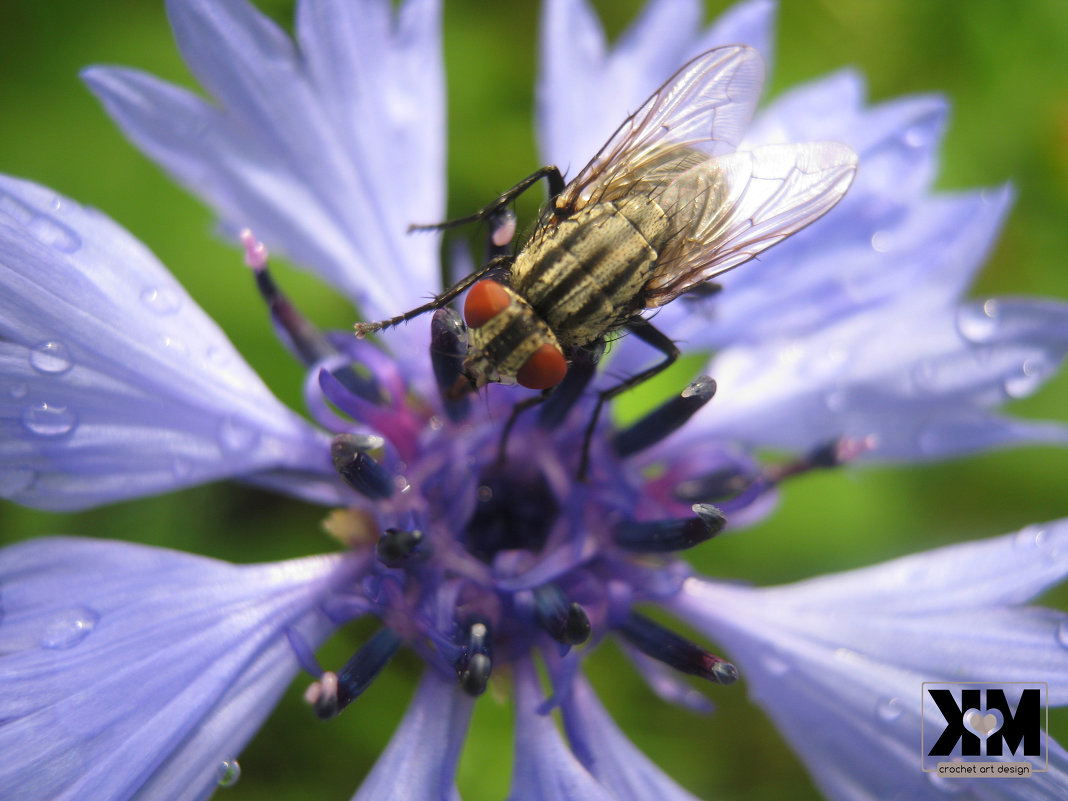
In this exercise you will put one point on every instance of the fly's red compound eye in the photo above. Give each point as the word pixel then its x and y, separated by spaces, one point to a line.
pixel 485 301
pixel 545 368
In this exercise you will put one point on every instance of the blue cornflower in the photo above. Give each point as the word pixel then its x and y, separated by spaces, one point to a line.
pixel 128 671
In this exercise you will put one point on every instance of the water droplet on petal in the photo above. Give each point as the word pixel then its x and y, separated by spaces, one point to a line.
pixel 228 772
pixel 978 324
pixel 69 628
pixel 1026 381
pixel 1031 537
pixel 48 419
pixel 218 356
pixel 889 709
pixel 14 480
pixel 236 434
pixel 51 357
pixel 18 391
pixel 836 400
pixel 775 665
pixel 181 468
pixel 918 135
pixel 161 300
pixel 882 241
pixel 174 344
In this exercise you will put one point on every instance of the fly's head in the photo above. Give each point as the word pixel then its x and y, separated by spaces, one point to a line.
pixel 508 342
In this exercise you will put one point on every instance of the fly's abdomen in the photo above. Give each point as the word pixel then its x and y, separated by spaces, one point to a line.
pixel 584 276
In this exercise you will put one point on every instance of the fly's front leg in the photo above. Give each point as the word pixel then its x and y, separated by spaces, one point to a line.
pixel 461 286
pixel 549 173
pixel 645 331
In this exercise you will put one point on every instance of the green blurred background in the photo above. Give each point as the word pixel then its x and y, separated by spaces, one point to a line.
pixel 1003 65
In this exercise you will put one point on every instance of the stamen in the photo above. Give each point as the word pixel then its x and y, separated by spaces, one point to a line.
pixel 660 536
pixel 823 457
pixel 665 645
pixel 502 224
pixel 717 486
pixel 567 393
pixel 566 623
pixel 335 691
pixel 299 333
pixel 474 666
pixel 448 347
pixel 397 546
pixel 359 470
pixel 665 419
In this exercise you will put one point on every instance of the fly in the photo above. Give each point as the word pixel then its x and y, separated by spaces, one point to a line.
pixel 667 204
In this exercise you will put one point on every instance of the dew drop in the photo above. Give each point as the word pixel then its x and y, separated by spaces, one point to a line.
pixel 775 665
pixel 48 419
pixel 218 356
pixel 1062 633
pixel 69 628
pixel 174 344
pixel 236 434
pixel 51 357
pixel 181 468
pixel 435 423
pixel 161 300
pixel 978 324
pixel 14 480
pixel 18 391
pixel 882 241
pixel 228 772
pixel 836 400
pixel 1025 381
pixel 1031 537
pixel 889 709
pixel 485 494
pixel 918 135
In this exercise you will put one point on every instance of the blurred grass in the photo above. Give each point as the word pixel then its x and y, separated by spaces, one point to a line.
pixel 1003 66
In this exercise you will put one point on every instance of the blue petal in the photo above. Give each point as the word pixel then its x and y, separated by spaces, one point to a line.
pixel 545 768
pixel 127 670
pixel 116 384
pixel 420 760
pixel 327 154
pixel 838 661
pixel 609 755
pixel 586 90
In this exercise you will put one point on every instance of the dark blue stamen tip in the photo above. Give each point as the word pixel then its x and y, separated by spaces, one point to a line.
pixel 579 373
pixel 359 470
pixel 448 347
pixel 397 546
pixel 661 536
pixel 474 666
pixel 665 419
pixel 357 674
pixel 668 647
pixel 567 623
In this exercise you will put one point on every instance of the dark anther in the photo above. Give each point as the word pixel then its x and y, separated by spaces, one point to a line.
pixel 334 692
pixel 660 536
pixel 359 470
pixel 567 623
pixel 474 666
pixel 397 546
pixel 303 337
pixel 665 645
pixel 448 347
pixel 665 419
pixel 580 372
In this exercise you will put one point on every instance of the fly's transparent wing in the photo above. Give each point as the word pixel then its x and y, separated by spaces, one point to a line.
pixel 727 209
pixel 705 106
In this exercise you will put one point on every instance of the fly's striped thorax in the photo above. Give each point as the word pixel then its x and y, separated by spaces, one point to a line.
pixel 584 276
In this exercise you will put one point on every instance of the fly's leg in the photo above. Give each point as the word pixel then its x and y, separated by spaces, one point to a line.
pixel 645 331
pixel 439 301
pixel 518 409
pixel 549 173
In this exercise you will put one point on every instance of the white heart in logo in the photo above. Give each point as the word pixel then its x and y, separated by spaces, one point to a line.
pixel 980 724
